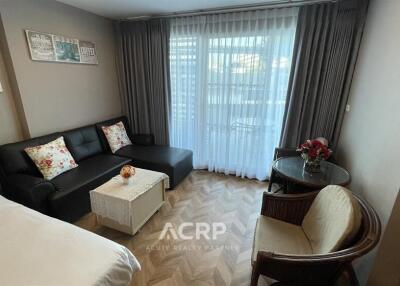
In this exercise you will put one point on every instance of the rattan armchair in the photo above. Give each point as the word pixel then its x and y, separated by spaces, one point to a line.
pixel 323 269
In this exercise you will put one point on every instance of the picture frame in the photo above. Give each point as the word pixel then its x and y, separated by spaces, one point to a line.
pixel 57 48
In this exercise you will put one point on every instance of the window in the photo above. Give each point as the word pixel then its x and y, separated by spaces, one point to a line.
pixel 229 78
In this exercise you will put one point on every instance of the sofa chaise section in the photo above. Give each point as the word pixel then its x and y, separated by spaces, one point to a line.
pixel 175 162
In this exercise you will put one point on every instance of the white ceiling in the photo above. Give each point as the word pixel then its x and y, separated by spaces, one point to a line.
pixel 120 9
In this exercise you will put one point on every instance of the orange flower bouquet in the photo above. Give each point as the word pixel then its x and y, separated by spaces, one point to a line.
pixel 127 172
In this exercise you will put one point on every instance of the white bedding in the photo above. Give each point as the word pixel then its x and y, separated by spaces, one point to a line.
pixel 39 250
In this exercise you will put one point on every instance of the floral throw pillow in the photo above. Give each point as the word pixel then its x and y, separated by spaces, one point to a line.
pixel 52 159
pixel 116 136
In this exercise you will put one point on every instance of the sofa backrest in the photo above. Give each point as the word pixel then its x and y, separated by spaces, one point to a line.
pixel 83 142
pixel 103 138
pixel 14 159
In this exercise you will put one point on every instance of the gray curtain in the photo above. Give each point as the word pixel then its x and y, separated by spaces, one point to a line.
pixel 143 72
pixel 325 52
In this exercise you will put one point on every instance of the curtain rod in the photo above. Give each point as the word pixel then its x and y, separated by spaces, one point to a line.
pixel 237 8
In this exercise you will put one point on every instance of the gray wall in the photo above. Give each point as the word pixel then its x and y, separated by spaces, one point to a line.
pixel 10 130
pixel 57 96
pixel 369 143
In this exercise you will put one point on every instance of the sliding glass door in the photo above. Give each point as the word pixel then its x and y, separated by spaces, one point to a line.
pixel 229 78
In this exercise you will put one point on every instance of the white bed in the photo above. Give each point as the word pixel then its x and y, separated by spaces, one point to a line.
pixel 38 250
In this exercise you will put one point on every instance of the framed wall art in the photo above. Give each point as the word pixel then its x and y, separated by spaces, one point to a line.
pixel 56 48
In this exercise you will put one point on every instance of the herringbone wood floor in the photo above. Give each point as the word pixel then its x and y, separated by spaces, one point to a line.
pixel 201 197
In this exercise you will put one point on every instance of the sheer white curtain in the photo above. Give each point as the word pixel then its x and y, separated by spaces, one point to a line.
pixel 229 78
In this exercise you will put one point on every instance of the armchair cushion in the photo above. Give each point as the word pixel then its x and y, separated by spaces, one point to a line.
pixel 277 236
pixel 333 219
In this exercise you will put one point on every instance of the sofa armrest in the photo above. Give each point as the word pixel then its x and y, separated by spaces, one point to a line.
pixel 288 208
pixel 30 191
pixel 143 139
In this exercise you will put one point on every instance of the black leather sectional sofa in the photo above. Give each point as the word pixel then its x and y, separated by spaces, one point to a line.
pixel 67 195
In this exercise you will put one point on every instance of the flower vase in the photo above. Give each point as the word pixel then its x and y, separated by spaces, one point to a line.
pixel 126 181
pixel 312 165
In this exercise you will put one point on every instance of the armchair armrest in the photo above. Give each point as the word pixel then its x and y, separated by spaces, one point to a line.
pixel 288 208
pixel 143 139
pixel 30 191
pixel 310 270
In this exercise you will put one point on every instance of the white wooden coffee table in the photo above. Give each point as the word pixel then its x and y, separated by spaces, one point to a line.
pixel 128 207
